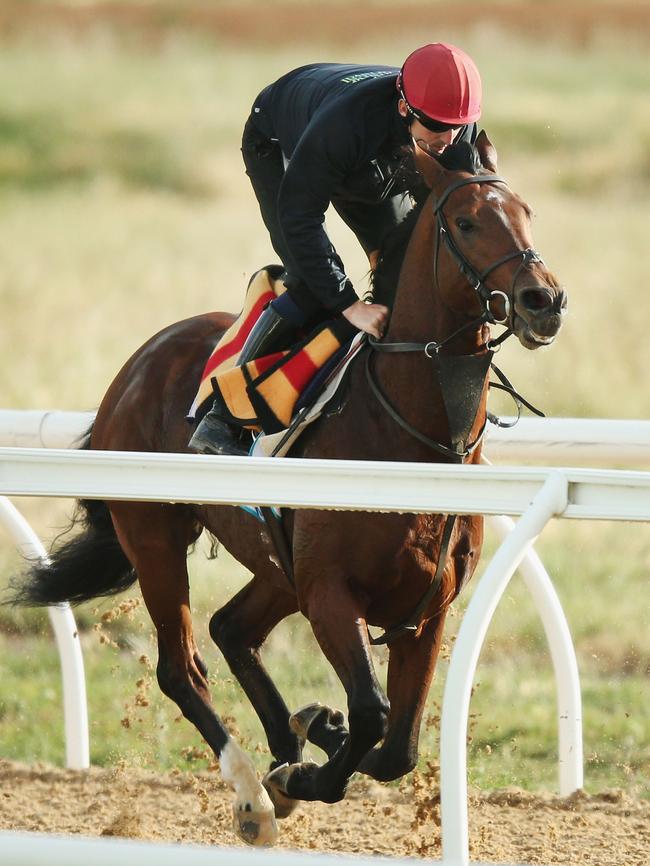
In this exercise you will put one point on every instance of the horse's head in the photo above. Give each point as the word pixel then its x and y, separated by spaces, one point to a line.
pixel 484 259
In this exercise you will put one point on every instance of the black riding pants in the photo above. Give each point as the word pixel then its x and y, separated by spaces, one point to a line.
pixel 369 222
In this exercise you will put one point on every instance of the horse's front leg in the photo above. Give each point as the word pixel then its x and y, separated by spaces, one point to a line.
pixel 412 661
pixel 411 664
pixel 337 618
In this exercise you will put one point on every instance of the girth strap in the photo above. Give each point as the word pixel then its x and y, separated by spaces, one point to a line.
pixel 412 624
pixel 276 530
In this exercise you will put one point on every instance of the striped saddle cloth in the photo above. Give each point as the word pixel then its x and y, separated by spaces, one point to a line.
pixel 264 395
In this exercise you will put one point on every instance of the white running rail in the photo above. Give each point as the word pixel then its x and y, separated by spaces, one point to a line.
pixel 43 428
pixel 537 494
pixel 563 441
pixel 37 849
pixel 563 657
pixel 362 485
pixel 75 705
pixel 551 500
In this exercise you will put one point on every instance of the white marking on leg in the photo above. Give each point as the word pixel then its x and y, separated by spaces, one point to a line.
pixel 237 769
pixel 253 811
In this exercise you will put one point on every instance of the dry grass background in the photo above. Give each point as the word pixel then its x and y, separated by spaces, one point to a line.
pixel 124 207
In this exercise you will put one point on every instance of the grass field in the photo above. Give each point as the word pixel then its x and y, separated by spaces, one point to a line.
pixel 124 207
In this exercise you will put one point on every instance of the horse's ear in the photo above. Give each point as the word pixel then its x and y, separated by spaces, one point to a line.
pixel 487 151
pixel 430 170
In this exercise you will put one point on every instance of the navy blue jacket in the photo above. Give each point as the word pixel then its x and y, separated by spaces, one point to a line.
pixel 339 127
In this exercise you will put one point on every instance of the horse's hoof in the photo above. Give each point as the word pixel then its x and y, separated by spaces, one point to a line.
pixel 302 719
pixel 275 783
pixel 255 828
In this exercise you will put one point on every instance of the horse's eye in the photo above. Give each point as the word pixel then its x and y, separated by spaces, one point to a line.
pixel 464 225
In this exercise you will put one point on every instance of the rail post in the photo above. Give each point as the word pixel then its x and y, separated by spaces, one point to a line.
pixel 75 708
pixel 551 499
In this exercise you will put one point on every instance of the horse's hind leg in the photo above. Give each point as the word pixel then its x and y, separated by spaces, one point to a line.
pixel 411 664
pixel 239 629
pixel 155 538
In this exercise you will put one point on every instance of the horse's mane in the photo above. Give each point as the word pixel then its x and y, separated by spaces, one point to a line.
pixel 457 157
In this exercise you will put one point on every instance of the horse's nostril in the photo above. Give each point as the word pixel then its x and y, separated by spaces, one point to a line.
pixel 535 300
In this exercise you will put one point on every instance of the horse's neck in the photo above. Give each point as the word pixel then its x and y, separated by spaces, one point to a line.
pixel 421 315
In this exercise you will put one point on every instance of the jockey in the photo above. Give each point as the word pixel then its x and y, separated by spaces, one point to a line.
pixel 337 134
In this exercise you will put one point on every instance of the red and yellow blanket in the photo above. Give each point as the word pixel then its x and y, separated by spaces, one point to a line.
pixel 262 394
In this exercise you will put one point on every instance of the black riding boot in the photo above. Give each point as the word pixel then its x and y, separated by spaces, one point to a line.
pixel 214 435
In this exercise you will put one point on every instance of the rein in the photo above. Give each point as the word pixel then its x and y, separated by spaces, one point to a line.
pixel 432 348
pixel 454 455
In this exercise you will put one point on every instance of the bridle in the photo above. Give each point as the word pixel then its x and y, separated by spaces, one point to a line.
pixel 431 348
pixel 478 278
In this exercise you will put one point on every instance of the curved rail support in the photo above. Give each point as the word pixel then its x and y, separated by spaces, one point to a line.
pixel 551 499
pixel 75 708
pixel 563 656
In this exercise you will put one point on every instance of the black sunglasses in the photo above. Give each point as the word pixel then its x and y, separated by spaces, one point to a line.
pixel 427 122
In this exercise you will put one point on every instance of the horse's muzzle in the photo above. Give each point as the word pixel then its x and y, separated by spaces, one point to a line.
pixel 538 315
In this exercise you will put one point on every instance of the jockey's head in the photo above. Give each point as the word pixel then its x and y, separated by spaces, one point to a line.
pixel 440 91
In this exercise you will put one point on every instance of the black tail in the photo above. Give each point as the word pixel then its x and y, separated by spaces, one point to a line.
pixel 89 565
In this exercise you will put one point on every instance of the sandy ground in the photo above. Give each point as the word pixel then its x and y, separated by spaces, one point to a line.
pixel 507 826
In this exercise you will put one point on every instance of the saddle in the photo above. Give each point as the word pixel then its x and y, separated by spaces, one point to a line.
pixel 268 394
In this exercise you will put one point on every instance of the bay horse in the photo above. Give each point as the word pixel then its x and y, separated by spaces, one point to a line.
pixel 420 396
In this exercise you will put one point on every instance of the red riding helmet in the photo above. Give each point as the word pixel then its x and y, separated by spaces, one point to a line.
pixel 440 82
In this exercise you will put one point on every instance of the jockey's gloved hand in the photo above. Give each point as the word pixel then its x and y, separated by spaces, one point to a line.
pixel 371 318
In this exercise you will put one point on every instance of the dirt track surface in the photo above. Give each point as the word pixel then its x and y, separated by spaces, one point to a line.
pixel 609 829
